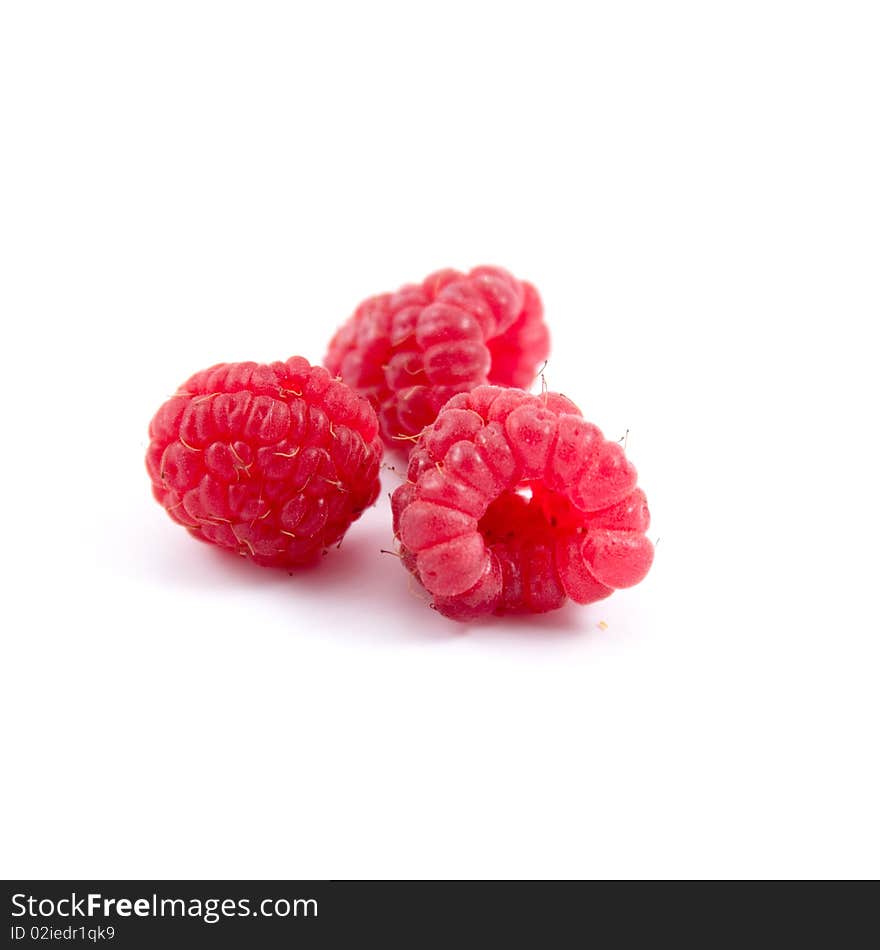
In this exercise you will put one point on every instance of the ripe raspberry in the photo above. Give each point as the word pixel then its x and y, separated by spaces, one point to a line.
pixel 271 461
pixel 410 351
pixel 515 502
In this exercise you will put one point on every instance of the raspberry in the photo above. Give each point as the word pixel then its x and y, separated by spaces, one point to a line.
pixel 272 461
pixel 410 351
pixel 515 503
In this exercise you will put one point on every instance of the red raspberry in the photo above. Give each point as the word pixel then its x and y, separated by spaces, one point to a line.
pixel 271 461
pixel 410 351
pixel 515 502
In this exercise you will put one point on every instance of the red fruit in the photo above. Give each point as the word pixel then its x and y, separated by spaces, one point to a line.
pixel 410 351
pixel 515 503
pixel 272 461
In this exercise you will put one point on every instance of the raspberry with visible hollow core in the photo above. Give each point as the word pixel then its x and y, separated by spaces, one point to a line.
pixel 412 350
pixel 271 461
pixel 514 503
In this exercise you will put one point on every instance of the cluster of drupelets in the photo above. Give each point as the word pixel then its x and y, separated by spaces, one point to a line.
pixel 512 503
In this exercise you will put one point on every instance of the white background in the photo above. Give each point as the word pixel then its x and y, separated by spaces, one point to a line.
pixel 693 188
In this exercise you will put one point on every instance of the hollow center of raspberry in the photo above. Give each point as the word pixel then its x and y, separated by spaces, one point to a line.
pixel 530 513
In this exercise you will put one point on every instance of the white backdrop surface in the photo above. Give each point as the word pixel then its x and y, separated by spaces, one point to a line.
pixel 694 190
